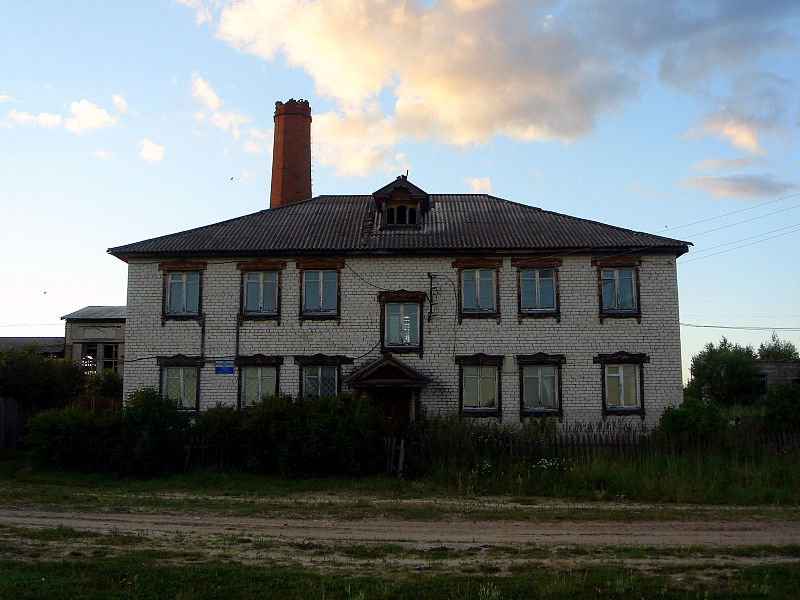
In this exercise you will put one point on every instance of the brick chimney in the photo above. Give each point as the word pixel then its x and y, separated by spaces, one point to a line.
pixel 291 153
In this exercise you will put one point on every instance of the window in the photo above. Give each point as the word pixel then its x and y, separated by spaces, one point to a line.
pixel 260 293
pixel 478 290
pixel 401 317
pixel 618 289
pixel 320 292
pixel 622 384
pixel 480 384
pixel 320 382
pixel 539 391
pixel 89 359
pixel 402 324
pixel 401 215
pixel 257 382
pixel 183 293
pixel 180 385
pixel 537 290
pixel 110 357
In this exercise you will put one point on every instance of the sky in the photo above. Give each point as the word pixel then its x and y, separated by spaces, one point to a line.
pixel 122 121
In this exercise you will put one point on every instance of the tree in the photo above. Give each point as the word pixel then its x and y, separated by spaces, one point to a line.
pixel 726 374
pixel 38 381
pixel 777 349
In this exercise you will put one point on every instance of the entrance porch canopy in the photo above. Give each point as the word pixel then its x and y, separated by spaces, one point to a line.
pixel 387 371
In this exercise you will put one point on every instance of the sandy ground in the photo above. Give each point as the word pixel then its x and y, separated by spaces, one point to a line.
pixel 591 533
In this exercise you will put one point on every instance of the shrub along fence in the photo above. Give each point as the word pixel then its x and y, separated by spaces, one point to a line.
pixel 96 404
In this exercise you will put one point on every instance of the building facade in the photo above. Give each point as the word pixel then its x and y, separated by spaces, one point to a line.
pixel 95 337
pixel 440 302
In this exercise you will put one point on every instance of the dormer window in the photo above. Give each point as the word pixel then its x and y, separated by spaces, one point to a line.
pixel 401 205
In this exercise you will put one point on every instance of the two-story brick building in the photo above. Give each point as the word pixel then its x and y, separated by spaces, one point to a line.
pixel 446 302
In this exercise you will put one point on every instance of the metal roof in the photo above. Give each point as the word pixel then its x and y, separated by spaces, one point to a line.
pixel 98 313
pixel 454 222
pixel 48 345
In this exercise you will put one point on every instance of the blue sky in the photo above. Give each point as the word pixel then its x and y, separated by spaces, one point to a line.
pixel 122 121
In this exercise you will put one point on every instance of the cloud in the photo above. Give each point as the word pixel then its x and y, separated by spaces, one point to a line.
pixel 4 97
pixel 643 190
pixel 202 91
pixel 86 117
pixel 464 71
pixel 150 151
pixel 712 164
pixel 104 154
pixel 743 186
pixel 41 120
pixel 202 12
pixel 230 120
pixel 737 131
pixel 482 185
pixel 258 142
pixel 120 103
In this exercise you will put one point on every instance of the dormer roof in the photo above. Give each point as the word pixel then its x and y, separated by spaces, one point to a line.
pixel 401 186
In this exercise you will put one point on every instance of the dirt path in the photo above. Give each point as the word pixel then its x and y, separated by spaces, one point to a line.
pixel 594 533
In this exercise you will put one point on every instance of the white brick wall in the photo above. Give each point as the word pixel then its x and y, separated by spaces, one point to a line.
pixel 579 335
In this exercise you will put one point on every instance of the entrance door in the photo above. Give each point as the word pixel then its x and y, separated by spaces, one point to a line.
pixel 395 404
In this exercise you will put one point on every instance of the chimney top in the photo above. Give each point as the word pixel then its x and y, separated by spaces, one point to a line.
pixel 291 155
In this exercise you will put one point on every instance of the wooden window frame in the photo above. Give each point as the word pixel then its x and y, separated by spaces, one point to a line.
pixel 616 263
pixel 320 265
pixel 263 266
pixel 537 264
pixel 537 360
pixel 322 360
pixel 179 360
pixel 402 297
pixel 478 264
pixel 620 359
pixel 481 360
pixel 256 360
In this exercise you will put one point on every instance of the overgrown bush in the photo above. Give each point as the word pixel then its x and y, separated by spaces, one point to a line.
pixel 693 418
pixel 782 407
pixel 152 434
pixel 726 374
pixel 300 437
pixel 37 380
pixel 58 438
pixel 107 383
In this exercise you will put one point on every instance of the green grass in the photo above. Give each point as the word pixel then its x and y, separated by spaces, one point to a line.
pixel 143 576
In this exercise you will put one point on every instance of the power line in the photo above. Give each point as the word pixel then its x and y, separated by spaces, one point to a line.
pixel 747 238
pixel 737 247
pixel 730 213
pixel 745 220
pixel 748 328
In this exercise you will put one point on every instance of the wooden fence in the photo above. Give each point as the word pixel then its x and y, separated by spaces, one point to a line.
pixel 96 404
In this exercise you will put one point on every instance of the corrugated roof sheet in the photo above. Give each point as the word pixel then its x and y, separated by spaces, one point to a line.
pixel 48 345
pixel 347 224
pixel 98 313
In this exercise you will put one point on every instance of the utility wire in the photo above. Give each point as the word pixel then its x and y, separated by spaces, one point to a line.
pixel 737 247
pixel 741 327
pixel 746 238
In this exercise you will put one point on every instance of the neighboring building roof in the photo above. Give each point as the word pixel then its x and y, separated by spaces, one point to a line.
pixel 347 224
pixel 98 313
pixel 49 345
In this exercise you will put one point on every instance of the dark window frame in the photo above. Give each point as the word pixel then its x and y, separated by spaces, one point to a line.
pixel 179 360
pixel 481 360
pixel 322 360
pixel 402 297
pixel 274 266
pixel 540 359
pixel 537 264
pixel 321 265
pixel 478 265
pixel 167 269
pixel 616 263
pixel 256 360
pixel 622 358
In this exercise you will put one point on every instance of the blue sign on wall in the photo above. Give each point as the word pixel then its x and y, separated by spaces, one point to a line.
pixel 223 367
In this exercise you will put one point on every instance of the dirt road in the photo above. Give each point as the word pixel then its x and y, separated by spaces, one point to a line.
pixel 594 533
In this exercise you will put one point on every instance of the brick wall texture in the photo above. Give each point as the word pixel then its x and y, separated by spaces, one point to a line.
pixel 579 334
